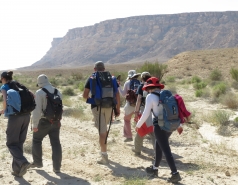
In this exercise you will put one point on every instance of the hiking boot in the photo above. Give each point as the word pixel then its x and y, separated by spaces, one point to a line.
pixel 24 168
pixel 174 178
pixel 136 153
pixel 103 160
pixel 151 171
pixel 128 140
pixel 15 174
pixel 56 171
pixel 34 165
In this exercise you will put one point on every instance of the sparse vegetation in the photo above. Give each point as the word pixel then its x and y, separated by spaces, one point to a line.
pixel 216 75
pixel 234 74
pixel 68 91
pixel 230 100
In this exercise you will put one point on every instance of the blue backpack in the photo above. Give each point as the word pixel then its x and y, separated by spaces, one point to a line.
pixel 134 84
pixel 171 120
pixel 103 88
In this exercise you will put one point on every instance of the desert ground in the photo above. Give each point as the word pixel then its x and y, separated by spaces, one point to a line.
pixel 204 153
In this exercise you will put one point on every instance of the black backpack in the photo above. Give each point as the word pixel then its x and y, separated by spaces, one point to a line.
pixel 27 98
pixel 54 107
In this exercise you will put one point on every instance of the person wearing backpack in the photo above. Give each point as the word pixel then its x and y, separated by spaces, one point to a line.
pixel 128 91
pixel 46 121
pixel 139 108
pixel 17 125
pixel 162 136
pixel 104 99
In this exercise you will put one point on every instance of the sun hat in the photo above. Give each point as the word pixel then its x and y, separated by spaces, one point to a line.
pixel 144 74
pixel 42 80
pixel 99 65
pixel 132 74
pixel 153 82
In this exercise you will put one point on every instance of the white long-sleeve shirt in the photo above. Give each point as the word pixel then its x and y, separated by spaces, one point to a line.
pixel 125 88
pixel 151 103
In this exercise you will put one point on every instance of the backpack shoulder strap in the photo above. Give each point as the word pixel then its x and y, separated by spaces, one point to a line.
pixel 45 90
pixel 55 92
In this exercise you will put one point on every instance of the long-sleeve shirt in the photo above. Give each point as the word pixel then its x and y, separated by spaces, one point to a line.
pixel 152 103
pixel 125 88
pixel 41 102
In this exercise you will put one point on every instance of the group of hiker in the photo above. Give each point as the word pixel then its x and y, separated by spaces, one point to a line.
pixel 144 101
pixel 18 104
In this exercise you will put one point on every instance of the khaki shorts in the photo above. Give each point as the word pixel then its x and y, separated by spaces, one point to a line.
pixel 105 118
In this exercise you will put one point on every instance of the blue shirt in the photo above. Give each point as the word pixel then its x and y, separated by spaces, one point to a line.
pixel 5 87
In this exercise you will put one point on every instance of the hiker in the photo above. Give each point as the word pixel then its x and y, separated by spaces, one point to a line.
pixel 102 114
pixel 42 126
pixel 139 108
pixel 17 125
pixel 129 108
pixel 162 137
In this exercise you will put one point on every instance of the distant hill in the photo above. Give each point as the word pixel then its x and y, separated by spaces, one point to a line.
pixel 141 38
pixel 202 62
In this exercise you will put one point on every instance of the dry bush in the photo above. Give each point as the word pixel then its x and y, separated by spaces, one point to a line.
pixel 230 100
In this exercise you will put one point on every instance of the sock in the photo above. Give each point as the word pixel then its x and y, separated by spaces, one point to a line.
pixel 155 168
pixel 174 173
pixel 104 153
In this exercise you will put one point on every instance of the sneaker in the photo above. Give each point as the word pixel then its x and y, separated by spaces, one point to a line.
pixel 128 140
pixel 56 171
pixel 136 153
pixel 24 168
pixel 174 178
pixel 103 160
pixel 34 165
pixel 151 171
pixel 15 174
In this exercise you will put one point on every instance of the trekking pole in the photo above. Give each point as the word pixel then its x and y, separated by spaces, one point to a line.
pixel 109 127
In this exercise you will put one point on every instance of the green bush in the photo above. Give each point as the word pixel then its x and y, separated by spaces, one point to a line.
pixel 199 85
pixel 170 79
pixel 219 89
pixel 68 91
pixel 77 76
pixel 234 74
pixel 155 69
pixel 54 82
pixel 196 79
pixel 81 86
pixel 220 118
pixel 216 75
pixel 199 93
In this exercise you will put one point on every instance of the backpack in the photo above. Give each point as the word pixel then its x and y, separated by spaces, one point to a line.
pixel 131 95
pixel 27 98
pixel 171 120
pixel 103 89
pixel 54 107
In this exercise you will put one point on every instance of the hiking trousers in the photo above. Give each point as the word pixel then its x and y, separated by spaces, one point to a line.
pixel 17 127
pixel 139 141
pixel 129 111
pixel 162 146
pixel 53 130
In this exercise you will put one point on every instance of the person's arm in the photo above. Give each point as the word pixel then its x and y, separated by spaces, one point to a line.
pixel 123 91
pixel 137 107
pixel 146 113
pixel 36 113
pixel 86 93
pixel 4 95
pixel 118 104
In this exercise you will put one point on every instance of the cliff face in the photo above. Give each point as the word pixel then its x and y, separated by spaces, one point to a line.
pixel 143 38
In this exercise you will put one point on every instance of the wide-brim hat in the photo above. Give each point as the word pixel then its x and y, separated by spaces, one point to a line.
pixel 153 82
pixel 132 74
pixel 42 80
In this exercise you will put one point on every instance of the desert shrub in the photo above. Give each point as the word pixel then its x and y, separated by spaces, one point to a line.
pixel 216 75
pixel 206 93
pixel 66 101
pixel 196 79
pixel 172 89
pixel 220 118
pixel 70 81
pixel 199 85
pixel 123 75
pixel 77 76
pixel 81 86
pixel 219 89
pixel 236 122
pixel 54 82
pixel 230 100
pixel 68 91
pixel 155 69
pixel 199 93
pixel 170 79
pixel 234 84
pixel 234 74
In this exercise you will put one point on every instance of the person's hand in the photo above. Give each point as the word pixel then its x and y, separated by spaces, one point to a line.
pixel 136 118
pixel 2 111
pixel 35 129
pixel 136 129
pixel 180 130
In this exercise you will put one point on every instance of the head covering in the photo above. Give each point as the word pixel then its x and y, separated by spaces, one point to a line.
pixel 132 74
pixel 4 74
pixel 144 74
pixel 99 65
pixel 42 80
pixel 153 82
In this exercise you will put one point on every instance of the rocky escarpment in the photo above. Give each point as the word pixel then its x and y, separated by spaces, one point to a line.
pixel 143 38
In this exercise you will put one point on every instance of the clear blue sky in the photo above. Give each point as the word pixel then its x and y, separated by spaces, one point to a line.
pixel 29 26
